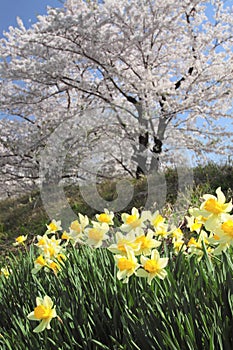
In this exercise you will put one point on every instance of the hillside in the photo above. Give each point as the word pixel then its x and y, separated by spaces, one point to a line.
pixel 26 215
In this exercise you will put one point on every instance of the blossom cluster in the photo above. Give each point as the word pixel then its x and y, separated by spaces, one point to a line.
pixel 215 216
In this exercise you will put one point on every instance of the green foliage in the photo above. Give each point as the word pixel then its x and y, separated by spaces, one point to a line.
pixel 191 309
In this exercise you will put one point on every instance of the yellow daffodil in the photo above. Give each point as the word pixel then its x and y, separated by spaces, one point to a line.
pixel 77 227
pixel 176 234
pixel 20 240
pixel 223 232
pixel 50 247
pixel 106 217
pixel 156 219
pixel 39 263
pixel 178 245
pixel 53 227
pixel 162 230
pixel 212 209
pixel 152 267
pixel 131 221
pixel 194 223
pixel 123 240
pixel 54 266
pixel 216 205
pixel 195 246
pixel 4 271
pixel 97 234
pixel 127 265
pixel 65 235
pixel 147 242
pixel 42 241
pixel 43 312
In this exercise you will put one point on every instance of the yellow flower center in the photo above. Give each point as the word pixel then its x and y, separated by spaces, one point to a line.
pixel 130 219
pixel 125 264
pixel 54 266
pixel 145 242
pixel 227 227
pixel 213 206
pixel 61 257
pixel 65 235
pixel 122 243
pixel 192 241
pixel 195 226
pixel 41 312
pixel 75 226
pixel 95 234
pixel 20 239
pixel 158 220
pixel 50 250
pixel 133 221
pixel 53 226
pixel 40 260
pixel 41 242
pixel 104 218
pixel 177 245
pixel 151 266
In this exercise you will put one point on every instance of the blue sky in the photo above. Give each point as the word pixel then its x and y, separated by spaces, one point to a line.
pixel 27 10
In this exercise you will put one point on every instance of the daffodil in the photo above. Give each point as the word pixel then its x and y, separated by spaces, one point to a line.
pixel 65 236
pixel 42 241
pixel 147 242
pixel 178 245
pixel 97 234
pixel 43 312
pixel 162 230
pixel 54 266
pixel 106 217
pixel 127 265
pixel 20 240
pixel 132 221
pixel 4 271
pixel 223 231
pixel 194 223
pixel 176 234
pixel 152 267
pixel 52 248
pixel 53 227
pixel 123 240
pixel 195 246
pixel 212 209
pixel 156 219
pixel 77 227
pixel 39 263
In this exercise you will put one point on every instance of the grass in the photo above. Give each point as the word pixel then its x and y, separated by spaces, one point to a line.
pixel 191 309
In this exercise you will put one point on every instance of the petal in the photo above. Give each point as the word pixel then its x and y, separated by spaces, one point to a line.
pixel 40 327
pixel 39 301
pixel 141 273
pixel 163 262
pixel 31 316
pixel 154 254
pixel 150 278
pixel 220 196
pixel 135 212
pixel 143 259
pixel 162 274
pixel 48 303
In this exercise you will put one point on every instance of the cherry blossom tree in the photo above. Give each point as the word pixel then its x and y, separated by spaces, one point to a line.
pixel 137 80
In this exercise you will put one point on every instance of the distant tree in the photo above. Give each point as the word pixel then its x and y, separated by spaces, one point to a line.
pixel 155 73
